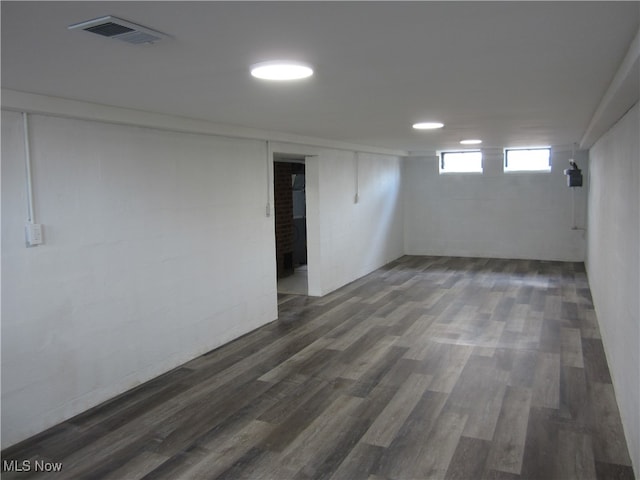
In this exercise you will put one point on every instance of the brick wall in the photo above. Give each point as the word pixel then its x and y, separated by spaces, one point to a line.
pixel 283 199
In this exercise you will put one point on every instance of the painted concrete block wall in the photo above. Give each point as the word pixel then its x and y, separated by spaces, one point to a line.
pixel 345 239
pixel 494 214
pixel 157 249
pixel 357 238
pixel 613 263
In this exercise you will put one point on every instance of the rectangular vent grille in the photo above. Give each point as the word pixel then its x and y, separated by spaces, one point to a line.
pixel 109 29
pixel 113 27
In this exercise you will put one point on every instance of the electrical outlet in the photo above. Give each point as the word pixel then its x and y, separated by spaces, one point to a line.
pixel 33 233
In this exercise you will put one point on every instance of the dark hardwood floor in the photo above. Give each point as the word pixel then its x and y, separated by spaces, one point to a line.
pixel 431 367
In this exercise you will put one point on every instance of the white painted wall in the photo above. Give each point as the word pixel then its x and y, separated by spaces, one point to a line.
pixel 157 249
pixel 494 214
pixel 345 239
pixel 357 238
pixel 613 262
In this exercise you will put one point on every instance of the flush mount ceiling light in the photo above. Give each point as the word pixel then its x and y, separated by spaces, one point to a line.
pixel 428 125
pixel 281 70
pixel 471 141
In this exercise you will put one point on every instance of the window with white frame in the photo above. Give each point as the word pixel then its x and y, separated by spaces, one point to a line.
pixel 461 162
pixel 527 159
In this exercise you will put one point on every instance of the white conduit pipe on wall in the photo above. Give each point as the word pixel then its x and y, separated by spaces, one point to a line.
pixel 573 209
pixel 268 209
pixel 357 159
pixel 27 166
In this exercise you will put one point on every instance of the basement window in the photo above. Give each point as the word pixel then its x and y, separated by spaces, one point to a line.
pixel 461 162
pixel 527 159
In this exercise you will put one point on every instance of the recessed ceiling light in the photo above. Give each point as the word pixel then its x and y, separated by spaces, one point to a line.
pixel 428 125
pixel 281 70
pixel 471 141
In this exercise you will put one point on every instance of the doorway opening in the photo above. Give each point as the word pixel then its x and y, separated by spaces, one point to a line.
pixel 290 224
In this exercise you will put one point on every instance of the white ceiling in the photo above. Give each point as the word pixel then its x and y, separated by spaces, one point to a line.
pixel 511 73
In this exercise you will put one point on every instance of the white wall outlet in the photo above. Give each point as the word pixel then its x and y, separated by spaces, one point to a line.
pixel 33 233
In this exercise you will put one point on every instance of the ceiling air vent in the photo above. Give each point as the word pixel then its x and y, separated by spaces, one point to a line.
pixel 114 27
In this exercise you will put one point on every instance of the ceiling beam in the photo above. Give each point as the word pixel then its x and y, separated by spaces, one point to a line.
pixel 64 107
pixel 622 94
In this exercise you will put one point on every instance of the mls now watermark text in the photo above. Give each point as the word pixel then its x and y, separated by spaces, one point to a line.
pixel 31 466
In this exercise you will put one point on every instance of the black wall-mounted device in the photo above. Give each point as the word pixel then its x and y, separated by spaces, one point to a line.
pixel 574 175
